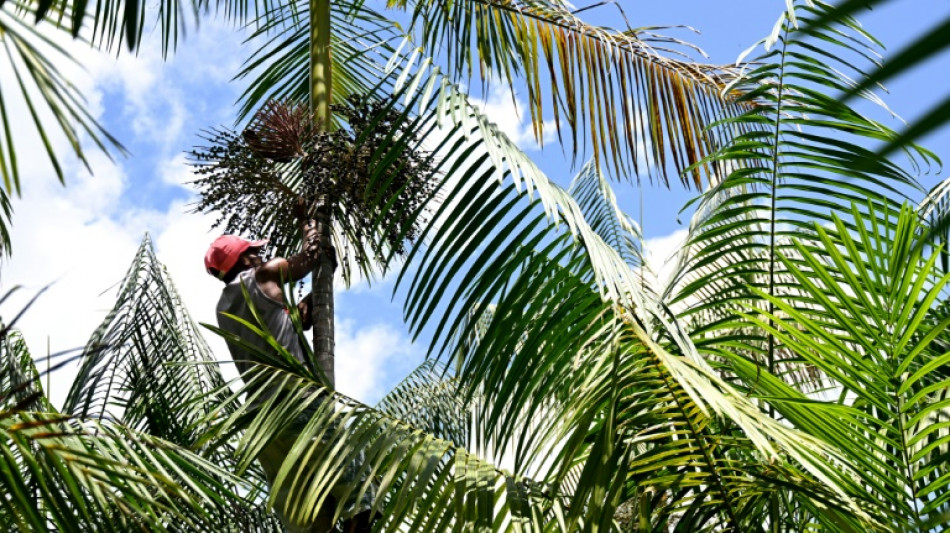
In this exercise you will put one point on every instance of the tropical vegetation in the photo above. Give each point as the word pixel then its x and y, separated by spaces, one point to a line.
pixel 790 374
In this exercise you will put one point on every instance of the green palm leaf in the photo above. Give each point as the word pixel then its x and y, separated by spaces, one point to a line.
pixel 428 399
pixel 597 385
pixel 614 91
pixel 344 449
pixel 19 379
pixel 919 51
pixel 934 209
pixel 793 167
pixel 148 368
pixel 873 330
pixel 95 477
pixel 554 297
pixel 6 216
pixel 67 474
pixel 146 363
pixel 598 202
pixel 39 85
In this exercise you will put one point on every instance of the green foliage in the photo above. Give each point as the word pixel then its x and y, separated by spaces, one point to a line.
pixel 133 369
pixel 148 369
pixel 920 50
pixel 792 377
pixel 560 371
pixel 63 473
pixel 875 328
pixel 19 379
pixel 792 165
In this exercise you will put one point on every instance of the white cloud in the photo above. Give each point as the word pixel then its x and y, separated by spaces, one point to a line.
pixel 99 193
pixel 660 254
pixel 505 111
pixel 177 171
pixel 364 356
pixel 61 240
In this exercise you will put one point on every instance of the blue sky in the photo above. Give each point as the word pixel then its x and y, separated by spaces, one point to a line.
pixel 82 237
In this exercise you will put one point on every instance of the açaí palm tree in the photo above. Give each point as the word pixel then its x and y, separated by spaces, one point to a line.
pixel 586 382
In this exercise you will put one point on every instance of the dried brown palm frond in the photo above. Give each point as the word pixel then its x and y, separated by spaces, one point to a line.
pixel 280 131
pixel 632 99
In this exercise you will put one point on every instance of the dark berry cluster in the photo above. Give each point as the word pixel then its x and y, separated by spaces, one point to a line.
pixel 370 172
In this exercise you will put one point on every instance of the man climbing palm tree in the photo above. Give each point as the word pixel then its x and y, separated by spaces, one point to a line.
pixel 253 286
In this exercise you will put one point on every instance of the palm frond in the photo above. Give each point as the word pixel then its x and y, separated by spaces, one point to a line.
pixel 114 22
pixel 82 476
pixel 37 83
pixel 872 329
pixel 629 95
pixel 552 324
pixel 920 50
pixel 20 385
pixel 598 203
pixel 333 449
pixel 664 102
pixel 793 167
pixel 147 368
pixel 146 365
pixel 935 209
pixel 428 399
pixel 67 474
pixel 6 218
pixel 278 69
pixel 589 381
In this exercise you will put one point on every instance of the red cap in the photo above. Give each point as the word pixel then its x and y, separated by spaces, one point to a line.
pixel 224 253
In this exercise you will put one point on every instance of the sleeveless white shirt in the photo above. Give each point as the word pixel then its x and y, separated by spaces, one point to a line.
pixel 273 314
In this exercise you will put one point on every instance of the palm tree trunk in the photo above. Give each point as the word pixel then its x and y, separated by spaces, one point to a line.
pixel 322 279
pixel 322 304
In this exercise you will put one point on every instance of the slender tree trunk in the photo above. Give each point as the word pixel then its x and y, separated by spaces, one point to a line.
pixel 322 305
pixel 322 280
pixel 322 277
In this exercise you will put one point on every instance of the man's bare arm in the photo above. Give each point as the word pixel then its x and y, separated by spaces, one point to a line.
pixel 295 267
pixel 298 266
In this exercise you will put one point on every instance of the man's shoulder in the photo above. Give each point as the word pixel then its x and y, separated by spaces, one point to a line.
pixel 271 270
